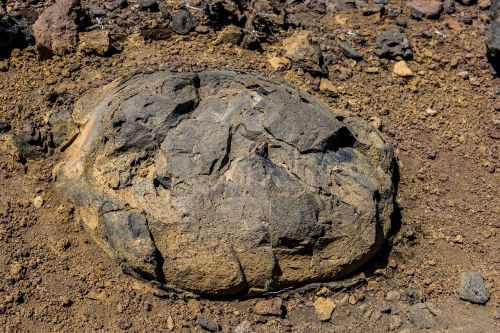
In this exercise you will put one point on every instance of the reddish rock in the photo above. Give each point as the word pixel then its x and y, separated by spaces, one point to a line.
pixel 56 29
pixel 428 8
pixel 269 307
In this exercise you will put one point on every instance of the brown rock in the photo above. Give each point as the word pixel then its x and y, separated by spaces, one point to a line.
pixel 279 63
pixel 324 308
pixel 56 29
pixel 402 69
pixel 95 42
pixel 269 307
pixel 194 306
pixel 231 35
pixel 300 51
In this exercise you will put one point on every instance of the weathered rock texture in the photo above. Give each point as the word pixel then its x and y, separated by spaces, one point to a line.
pixel 224 183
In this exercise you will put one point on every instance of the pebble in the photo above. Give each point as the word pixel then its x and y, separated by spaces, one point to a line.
pixel 324 308
pixel 38 202
pixel 170 323
pixel 244 327
pixel 472 288
pixel 449 6
pixel 207 323
pixel 385 308
pixel 421 317
pixel 269 307
pixel 401 69
pixel 349 51
pixel 194 306
pixel 327 87
pixel 393 296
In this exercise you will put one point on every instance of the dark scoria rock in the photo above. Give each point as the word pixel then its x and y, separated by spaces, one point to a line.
pixel 224 183
pixel 15 32
pixel 492 37
pixel 391 44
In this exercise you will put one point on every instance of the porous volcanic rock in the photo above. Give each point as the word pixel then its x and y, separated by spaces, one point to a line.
pixel 224 183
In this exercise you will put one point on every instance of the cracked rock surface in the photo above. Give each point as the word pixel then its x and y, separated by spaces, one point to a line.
pixel 224 183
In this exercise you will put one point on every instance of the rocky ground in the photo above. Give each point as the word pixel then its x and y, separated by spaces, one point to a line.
pixel 421 71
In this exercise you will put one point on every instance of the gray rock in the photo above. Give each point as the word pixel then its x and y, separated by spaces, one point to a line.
pixel 207 323
pixel 182 22
pixel 449 6
pixel 224 183
pixel 63 129
pixel 420 316
pixel 349 51
pixel 391 44
pixel 492 37
pixel 472 288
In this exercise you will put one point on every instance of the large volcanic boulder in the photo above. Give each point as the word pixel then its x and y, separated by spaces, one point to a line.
pixel 224 183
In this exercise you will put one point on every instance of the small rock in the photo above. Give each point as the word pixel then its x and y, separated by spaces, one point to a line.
pixel 244 327
pixel 38 202
pixel 170 323
pixel 421 317
pixel 395 322
pixel 459 239
pixel 472 288
pixel 279 63
pixel 182 22
pixel 149 5
pixel 393 296
pixel 270 307
pixel 466 19
pixel 349 51
pixel 231 34
pixel 428 8
pixel 402 69
pixel 95 42
pixel 484 4
pixel 391 44
pixel 433 309
pixel 207 324
pixel 124 324
pixel 300 51
pixel 449 6
pixel 327 87
pixel 385 308
pixel 194 306
pixel 63 129
pixel 324 308
pixel 66 301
